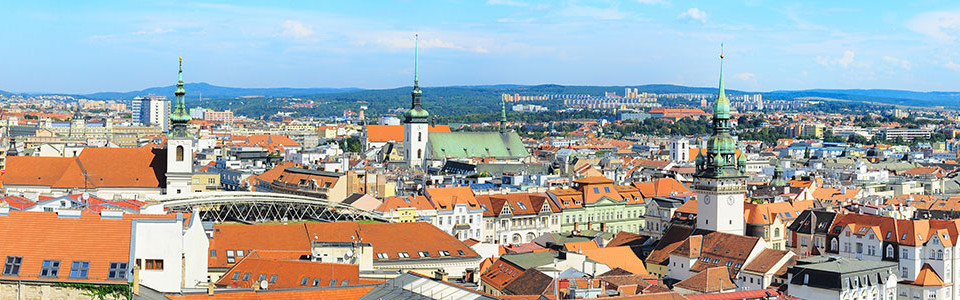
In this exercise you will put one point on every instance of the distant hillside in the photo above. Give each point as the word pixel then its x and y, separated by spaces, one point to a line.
pixel 194 90
pixel 484 97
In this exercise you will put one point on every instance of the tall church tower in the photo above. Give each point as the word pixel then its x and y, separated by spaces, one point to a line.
pixel 719 178
pixel 179 144
pixel 415 120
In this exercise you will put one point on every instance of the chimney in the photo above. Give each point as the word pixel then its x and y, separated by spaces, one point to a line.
pixel 440 274
pixel 576 226
pixel 589 225
pixel 210 288
pixel 136 279
pixel 256 286
pixel 603 227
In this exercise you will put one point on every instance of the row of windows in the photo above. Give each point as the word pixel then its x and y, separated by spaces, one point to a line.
pixel 316 281
pixel 51 269
pixel 384 255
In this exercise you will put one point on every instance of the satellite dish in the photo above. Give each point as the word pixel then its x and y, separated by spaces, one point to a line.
pixel 349 253
pixel 263 285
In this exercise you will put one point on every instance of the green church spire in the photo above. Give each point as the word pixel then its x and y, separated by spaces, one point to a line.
pixel 721 159
pixel 179 116
pixel 416 114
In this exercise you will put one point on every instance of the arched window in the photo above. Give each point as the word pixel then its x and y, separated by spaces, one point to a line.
pixel 939 254
pixel 890 251
pixel 179 153
pixel 419 153
pixel 834 245
pixel 776 232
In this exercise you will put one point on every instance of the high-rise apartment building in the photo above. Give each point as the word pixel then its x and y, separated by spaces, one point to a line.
pixel 151 111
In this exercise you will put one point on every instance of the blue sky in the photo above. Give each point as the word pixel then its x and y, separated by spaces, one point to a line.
pixel 88 46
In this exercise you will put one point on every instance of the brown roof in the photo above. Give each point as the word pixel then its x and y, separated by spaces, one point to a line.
pixel 518 203
pixel 765 261
pixel 500 274
pixel 708 281
pixel 530 282
pixel 718 249
pixel 624 238
pixel 672 239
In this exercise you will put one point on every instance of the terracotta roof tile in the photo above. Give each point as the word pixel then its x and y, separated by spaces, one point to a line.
pixel 711 280
pixel 340 293
pixel 289 273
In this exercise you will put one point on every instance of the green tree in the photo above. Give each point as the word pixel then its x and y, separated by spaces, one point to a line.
pixel 857 139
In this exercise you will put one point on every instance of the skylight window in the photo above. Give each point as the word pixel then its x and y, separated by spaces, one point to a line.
pixel 606 189
pixel 381 255
pixel 521 205
pixel 444 253
pixel 118 271
pixel 78 270
pixel 50 268
pixel 12 267
pixel 403 254
pixel 596 190
pixel 236 275
pixel 424 253
pixel 273 278
pixel 246 276
pixel 303 281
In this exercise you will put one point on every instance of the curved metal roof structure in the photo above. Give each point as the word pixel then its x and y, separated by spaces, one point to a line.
pixel 254 207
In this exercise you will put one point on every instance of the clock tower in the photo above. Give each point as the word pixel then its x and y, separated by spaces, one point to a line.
pixel 719 179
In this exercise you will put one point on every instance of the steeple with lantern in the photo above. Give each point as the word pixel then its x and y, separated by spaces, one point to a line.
pixel 720 173
pixel 179 117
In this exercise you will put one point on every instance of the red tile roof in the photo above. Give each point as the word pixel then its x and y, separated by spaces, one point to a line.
pixel 341 293
pixel 289 273
pixel 39 236
pixel 95 167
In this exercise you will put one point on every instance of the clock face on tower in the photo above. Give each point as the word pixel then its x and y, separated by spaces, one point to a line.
pixel 706 200
pixel 731 199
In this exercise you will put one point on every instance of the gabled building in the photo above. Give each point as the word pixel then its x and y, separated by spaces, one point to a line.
pixel 707 249
pixel 459 213
pixel 762 272
pixel 598 202
pixel 770 220
pixel 518 217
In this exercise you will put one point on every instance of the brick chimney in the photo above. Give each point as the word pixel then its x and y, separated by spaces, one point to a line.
pixel 589 225
pixel 210 288
pixel 603 227
pixel 576 226
pixel 440 274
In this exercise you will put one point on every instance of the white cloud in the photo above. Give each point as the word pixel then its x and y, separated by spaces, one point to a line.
pixel 153 31
pixel 844 61
pixel 940 25
pixel 694 14
pixel 506 2
pixel 296 29
pixel 902 63
pixel 612 13
pixel 745 76
pixel 952 66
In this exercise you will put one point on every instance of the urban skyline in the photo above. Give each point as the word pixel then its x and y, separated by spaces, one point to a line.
pixel 774 46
